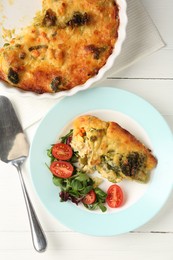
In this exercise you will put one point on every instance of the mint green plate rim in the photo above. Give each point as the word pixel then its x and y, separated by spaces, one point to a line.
pixel 159 189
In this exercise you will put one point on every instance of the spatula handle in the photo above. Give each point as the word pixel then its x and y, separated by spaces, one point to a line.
pixel 38 236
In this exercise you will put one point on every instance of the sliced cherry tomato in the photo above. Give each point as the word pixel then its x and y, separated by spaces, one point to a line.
pixel 89 198
pixel 62 151
pixel 61 169
pixel 115 196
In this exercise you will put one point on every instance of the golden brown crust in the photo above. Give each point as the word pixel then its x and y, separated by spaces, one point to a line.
pixel 68 40
pixel 88 122
pixel 111 149
pixel 126 142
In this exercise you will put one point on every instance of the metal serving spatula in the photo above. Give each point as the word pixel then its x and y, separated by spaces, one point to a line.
pixel 14 149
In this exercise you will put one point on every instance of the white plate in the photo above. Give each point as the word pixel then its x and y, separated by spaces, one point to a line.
pixel 142 201
pixel 19 13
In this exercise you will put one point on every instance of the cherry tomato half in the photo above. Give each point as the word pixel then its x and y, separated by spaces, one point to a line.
pixel 62 151
pixel 89 198
pixel 115 196
pixel 61 169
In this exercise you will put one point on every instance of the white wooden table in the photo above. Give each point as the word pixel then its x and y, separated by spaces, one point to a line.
pixel 150 78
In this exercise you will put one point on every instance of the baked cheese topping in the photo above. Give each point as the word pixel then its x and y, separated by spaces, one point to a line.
pixel 67 43
pixel 111 150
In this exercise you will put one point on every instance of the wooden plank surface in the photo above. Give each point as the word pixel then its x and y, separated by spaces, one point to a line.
pixel 150 78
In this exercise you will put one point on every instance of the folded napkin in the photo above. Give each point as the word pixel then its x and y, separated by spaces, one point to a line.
pixel 142 39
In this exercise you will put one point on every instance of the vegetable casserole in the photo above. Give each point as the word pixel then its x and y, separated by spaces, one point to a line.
pixel 111 150
pixel 66 44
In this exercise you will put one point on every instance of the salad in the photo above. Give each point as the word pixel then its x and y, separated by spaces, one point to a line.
pixel 77 186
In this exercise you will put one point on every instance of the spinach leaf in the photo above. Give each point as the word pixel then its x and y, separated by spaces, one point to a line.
pixel 76 187
pixel 64 139
pixel 99 202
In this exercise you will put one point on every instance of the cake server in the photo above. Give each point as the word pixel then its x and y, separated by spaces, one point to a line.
pixel 14 150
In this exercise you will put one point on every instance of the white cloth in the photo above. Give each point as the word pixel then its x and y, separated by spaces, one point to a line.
pixel 142 39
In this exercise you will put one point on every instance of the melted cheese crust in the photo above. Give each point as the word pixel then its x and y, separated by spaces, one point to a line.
pixel 68 42
pixel 111 150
